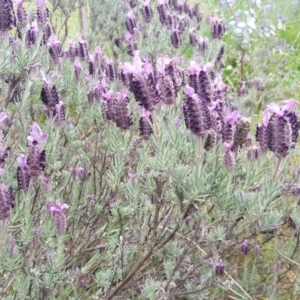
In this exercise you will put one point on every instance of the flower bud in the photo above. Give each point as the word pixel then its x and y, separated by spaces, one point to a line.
pixel 203 44
pixel 229 159
pixel 219 268
pixel 162 11
pixel 147 12
pixel 6 201
pixel 241 133
pixel 211 140
pixel 131 22
pixel 176 38
pixel 21 13
pixel 217 28
pixel 7 16
pixel 245 247
pixel 145 125
pixel 193 38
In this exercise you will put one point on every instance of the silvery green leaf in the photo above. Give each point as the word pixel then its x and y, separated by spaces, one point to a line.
pixel 150 289
pixel 169 266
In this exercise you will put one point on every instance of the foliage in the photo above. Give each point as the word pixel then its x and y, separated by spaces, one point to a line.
pixel 136 174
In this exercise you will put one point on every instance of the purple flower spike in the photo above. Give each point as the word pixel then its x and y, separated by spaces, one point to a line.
pixel 23 175
pixel 147 12
pixel 6 201
pixel 162 11
pixel 261 131
pixel 282 128
pixel 21 12
pixel 7 17
pixel 42 12
pixel 82 48
pixel 176 39
pixel 220 268
pixel 230 122
pixel 145 125
pixel 36 134
pixel 245 247
pixel 47 184
pixel 59 113
pixel 229 159
pixel 123 118
pixel 60 220
pixel 256 250
pixel 54 48
pixel 36 236
pixel 217 28
pixel 131 22
pixel 196 113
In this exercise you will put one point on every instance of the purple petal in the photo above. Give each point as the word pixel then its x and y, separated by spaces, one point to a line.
pixel 266 118
pixel 232 117
pixel 3 116
pixel 288 105
pixel 41 3
pixel 64 206
pixel 273 107
pixel 189 91
pixel 22 161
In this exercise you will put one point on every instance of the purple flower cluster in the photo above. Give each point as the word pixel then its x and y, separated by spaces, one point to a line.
pixel 7 16
pixel 6 200
pixel 35 162
pixel 60 219
pixel 50 98
pixel 279 130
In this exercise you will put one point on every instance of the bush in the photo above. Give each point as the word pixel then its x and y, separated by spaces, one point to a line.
pixel 130 170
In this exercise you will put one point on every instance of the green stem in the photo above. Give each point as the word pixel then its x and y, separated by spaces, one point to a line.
pixel 277 168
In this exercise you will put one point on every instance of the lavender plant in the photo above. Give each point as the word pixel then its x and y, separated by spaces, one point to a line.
pixel 128 171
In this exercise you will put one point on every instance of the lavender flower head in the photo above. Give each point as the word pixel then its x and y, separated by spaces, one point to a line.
pixel 196 113
pixel 245 247
pixel 54 48
pixel 219 268
pixel 229 159
pixel 142 83
pixel 283 127
pixel 23 175
pixel 6 201
pixel 60 220
pixel 261 131
pixel 7 17
pixel 230 122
